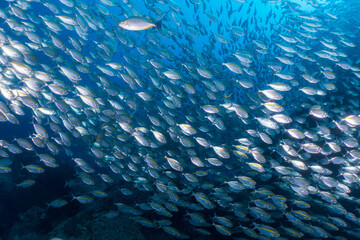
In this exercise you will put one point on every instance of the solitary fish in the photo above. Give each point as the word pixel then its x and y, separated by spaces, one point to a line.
pixel 138 24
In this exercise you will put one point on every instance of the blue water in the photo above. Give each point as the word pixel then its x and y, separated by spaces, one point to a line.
pixel 25 212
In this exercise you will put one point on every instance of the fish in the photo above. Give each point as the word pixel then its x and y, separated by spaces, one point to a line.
pixel 137 24
pixel 195 118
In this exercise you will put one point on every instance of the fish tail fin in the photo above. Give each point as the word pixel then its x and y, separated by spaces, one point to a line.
pixel 73 197
pixel 158 24
pixel 132 114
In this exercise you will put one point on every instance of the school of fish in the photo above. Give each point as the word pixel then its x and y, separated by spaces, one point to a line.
pixel 239 117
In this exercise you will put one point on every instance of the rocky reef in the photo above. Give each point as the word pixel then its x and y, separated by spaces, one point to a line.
pixel 85 225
